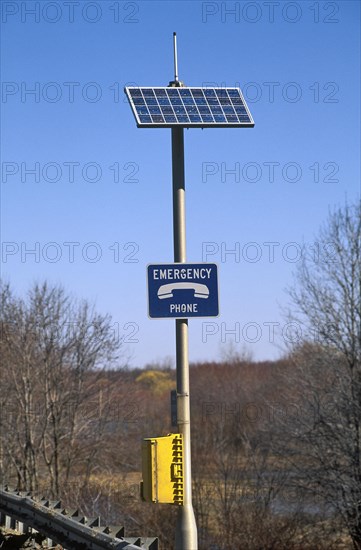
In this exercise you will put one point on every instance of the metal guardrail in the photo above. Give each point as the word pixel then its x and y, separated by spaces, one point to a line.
pixel 72 530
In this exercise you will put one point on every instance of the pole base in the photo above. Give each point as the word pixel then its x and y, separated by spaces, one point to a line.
pixel 186 529
pixel 176 84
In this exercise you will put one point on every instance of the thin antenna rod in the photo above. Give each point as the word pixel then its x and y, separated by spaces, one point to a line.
pixel 175 57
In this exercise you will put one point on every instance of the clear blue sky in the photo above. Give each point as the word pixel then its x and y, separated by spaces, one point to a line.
pixel 97 207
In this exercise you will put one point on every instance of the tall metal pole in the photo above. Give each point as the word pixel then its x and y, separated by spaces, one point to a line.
pixel 186 529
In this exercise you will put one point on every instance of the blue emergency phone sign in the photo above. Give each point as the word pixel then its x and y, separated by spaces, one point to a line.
pixel 182 290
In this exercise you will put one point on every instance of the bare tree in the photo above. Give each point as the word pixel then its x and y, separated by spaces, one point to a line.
pixel 20 436
pixel 50 344
pixel 326 444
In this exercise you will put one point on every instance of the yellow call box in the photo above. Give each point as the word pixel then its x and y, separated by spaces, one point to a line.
pixel 162 469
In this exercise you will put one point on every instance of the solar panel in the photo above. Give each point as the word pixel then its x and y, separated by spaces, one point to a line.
pixel 189 107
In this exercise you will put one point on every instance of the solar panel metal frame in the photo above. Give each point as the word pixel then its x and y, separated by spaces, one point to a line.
pixel 187 124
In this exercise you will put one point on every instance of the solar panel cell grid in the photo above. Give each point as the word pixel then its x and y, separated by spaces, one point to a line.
pixel 189 107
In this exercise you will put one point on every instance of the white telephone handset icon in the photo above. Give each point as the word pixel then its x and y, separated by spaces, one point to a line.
pixel 166 291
